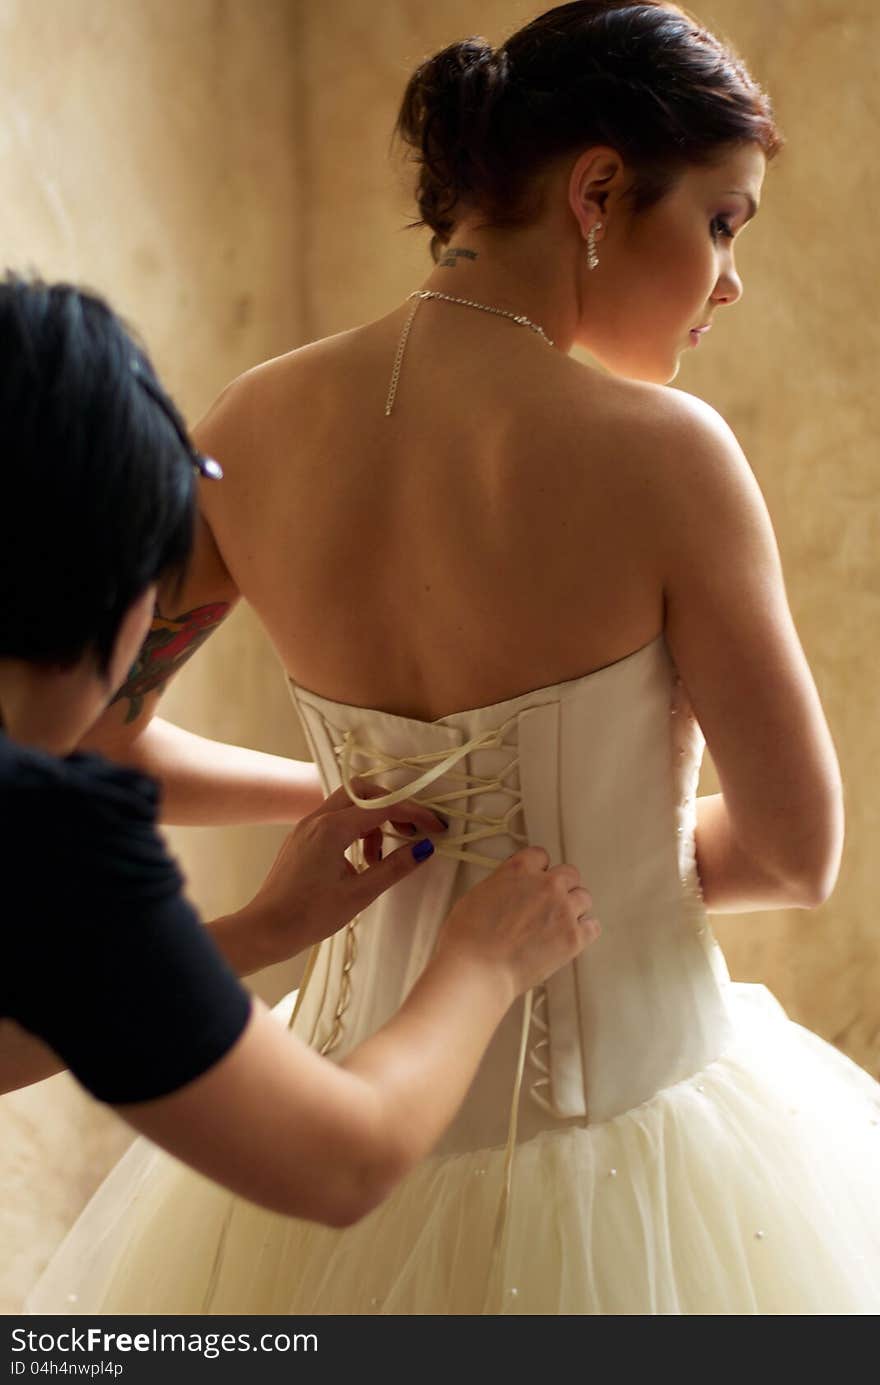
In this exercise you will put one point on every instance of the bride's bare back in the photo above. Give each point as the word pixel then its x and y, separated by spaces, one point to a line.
pixel 520 520
pixel 496 533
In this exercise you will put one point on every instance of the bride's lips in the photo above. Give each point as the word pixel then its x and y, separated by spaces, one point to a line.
pixel 696 332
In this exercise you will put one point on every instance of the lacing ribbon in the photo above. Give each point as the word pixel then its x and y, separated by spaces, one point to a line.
pixel 454 804
pixel 441 765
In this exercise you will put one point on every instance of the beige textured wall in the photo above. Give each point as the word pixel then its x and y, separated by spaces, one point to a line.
pixel 149 150
pixel 793 369
pixel 219 169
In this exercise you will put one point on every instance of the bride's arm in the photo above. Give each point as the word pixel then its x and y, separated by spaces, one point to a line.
pixel 209 783
pixel 773 837
pixel 204 782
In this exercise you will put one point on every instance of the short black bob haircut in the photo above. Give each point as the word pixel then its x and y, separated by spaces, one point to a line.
pixel 97 475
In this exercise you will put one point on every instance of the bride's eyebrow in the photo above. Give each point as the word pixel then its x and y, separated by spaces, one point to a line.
pixel 738 192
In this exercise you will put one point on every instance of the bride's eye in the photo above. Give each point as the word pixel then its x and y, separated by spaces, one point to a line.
pixel 721 226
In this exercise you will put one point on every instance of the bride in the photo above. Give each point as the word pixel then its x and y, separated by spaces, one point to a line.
pixel 524 590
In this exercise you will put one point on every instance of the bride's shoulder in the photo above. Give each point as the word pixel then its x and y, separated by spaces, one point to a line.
pixel 655 413
pixel 680 416
pixel 294 368
pixel 667 427
pixel 253 400
pixel 697 449
pixel 662 446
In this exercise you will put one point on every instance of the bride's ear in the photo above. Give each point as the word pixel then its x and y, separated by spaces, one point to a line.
pixel 597 177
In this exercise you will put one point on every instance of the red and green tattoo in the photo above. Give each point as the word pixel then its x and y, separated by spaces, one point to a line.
pixel 171 641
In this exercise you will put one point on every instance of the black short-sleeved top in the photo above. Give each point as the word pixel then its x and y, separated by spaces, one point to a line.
pixel 103 957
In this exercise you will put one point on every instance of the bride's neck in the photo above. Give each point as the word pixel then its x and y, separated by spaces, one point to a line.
pixel 516 270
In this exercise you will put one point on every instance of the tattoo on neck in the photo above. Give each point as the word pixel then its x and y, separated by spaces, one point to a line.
pixel 454 254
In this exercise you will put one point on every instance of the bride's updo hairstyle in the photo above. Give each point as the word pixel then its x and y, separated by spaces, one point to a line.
pixel 645 79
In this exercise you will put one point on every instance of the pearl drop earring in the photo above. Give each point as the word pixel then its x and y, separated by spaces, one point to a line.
pixel 592 256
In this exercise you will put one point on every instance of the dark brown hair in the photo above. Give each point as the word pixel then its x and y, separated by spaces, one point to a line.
pixel 645 79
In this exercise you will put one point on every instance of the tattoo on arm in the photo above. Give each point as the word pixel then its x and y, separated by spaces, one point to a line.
pixel 171 641
pixel 451 257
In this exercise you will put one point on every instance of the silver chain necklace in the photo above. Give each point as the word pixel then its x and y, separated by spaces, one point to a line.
pixel 420 295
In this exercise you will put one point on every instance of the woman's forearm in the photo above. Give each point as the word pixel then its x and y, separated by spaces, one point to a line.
pixel 733 881
pixel 209 784
pixel 303 1136
pixel 421 1063
pixel 249 942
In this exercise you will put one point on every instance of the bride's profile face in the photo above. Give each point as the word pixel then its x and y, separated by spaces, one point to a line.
pixel 669 270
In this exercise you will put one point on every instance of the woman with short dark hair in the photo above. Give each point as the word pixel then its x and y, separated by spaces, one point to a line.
pixel 107 968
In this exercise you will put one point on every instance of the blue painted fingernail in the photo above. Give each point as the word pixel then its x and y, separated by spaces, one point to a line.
pixel 423 849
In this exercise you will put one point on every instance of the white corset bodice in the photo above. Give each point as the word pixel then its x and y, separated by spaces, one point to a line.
pixel 642 1136
pixel 602 772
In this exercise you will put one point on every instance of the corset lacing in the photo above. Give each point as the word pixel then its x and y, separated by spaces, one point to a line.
pixel 441 764
pixel 454 804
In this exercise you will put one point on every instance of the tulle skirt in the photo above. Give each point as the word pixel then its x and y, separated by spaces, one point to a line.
pixel 751 1187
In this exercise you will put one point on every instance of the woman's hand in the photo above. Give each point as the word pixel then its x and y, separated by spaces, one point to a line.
pixel 524 921
pixel 313 890
pixel 307 1137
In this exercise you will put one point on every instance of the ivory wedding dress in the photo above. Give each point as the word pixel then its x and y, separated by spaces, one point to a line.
pixel 642 1137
